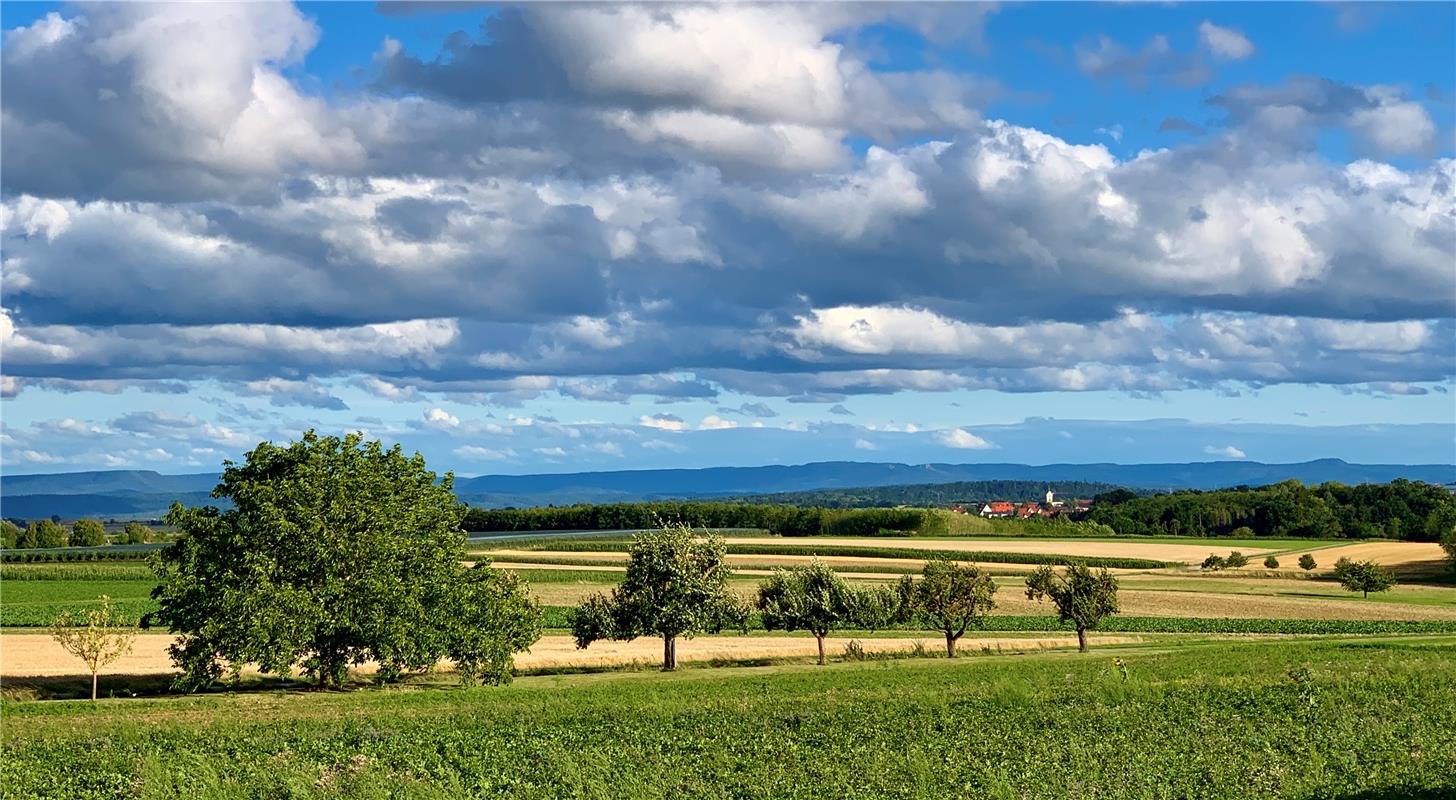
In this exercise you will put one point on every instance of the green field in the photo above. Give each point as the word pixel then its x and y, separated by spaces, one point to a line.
pixel 1309 720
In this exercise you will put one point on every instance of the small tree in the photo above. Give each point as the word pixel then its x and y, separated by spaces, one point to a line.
pixel 1448 543
pixel 1213 563
pixel 1271 563
pixel 812 598
pixel 136 533
pixel 1082 597
pixel 1307 562
pixel 949 597
pixel 88 533
pixel 1242 532
pixel 1236 559
pixel 676 586
pixel 1363 576
pixel 97 637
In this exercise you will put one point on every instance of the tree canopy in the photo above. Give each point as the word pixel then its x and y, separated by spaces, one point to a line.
pixel 676 587
pixel 950 597
pixel 335 551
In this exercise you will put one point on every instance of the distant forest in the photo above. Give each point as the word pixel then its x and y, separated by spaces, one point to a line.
pixel 1400 509
pixel 933 494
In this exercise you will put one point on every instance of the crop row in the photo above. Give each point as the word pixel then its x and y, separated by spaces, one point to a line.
pixel 71 555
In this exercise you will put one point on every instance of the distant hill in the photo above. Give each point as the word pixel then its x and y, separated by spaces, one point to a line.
pixel 143 493
pixel 934 494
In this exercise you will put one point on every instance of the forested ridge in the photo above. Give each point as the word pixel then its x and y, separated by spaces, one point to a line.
pixel 1400 509
pixel 933 494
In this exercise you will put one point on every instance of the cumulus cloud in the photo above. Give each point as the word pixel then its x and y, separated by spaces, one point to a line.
pixel 609 203
pixel 1227 451
pixel 962 439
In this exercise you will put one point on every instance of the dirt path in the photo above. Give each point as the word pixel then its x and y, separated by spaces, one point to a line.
pixel 36 655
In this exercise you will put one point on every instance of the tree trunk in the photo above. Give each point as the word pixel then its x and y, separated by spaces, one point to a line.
pixel 950 643
pixel 93 686
pixel 820 637
pixel 1082 639
pixel 669 653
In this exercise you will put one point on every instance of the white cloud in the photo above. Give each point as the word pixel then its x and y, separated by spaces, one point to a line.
pixel 1227 451
pixel 961 439
pixel 713 422
pixel 440 419
pixel 477 453
pixel 864 444
pixel 666 422
pixel 1229 44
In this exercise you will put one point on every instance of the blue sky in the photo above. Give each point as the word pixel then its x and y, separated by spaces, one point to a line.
pixel 548 237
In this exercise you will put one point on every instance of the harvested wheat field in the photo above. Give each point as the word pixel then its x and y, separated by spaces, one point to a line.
pixel 1210 604
pixel 758 564
pixel 1390 554
pixel 1158 551
pixel 37 655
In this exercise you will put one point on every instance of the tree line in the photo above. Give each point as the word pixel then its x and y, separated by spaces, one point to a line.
pixel 676 587
pixel 82 533
pixel 784 520
pixel 1401 509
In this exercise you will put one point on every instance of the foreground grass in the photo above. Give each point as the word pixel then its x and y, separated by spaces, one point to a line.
pixel 1301 720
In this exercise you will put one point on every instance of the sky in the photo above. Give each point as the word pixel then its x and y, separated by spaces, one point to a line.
pixel 559 237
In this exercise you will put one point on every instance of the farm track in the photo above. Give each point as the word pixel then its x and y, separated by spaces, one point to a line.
pixel 36 655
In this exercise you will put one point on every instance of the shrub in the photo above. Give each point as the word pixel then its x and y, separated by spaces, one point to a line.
pixel 1271 563
pixel 1213 563
pixel 1236 559
pixel 1307 562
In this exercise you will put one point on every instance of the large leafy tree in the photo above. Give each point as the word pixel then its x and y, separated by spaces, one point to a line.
pixel 814 598
pixel 949 597
pixel 335 552
pixel 1082 597
pixel 676 587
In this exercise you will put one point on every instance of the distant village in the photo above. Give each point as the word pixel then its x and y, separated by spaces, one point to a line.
pixel 1049 507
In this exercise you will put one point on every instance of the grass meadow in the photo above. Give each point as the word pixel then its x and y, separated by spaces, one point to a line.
pixel 1265 719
